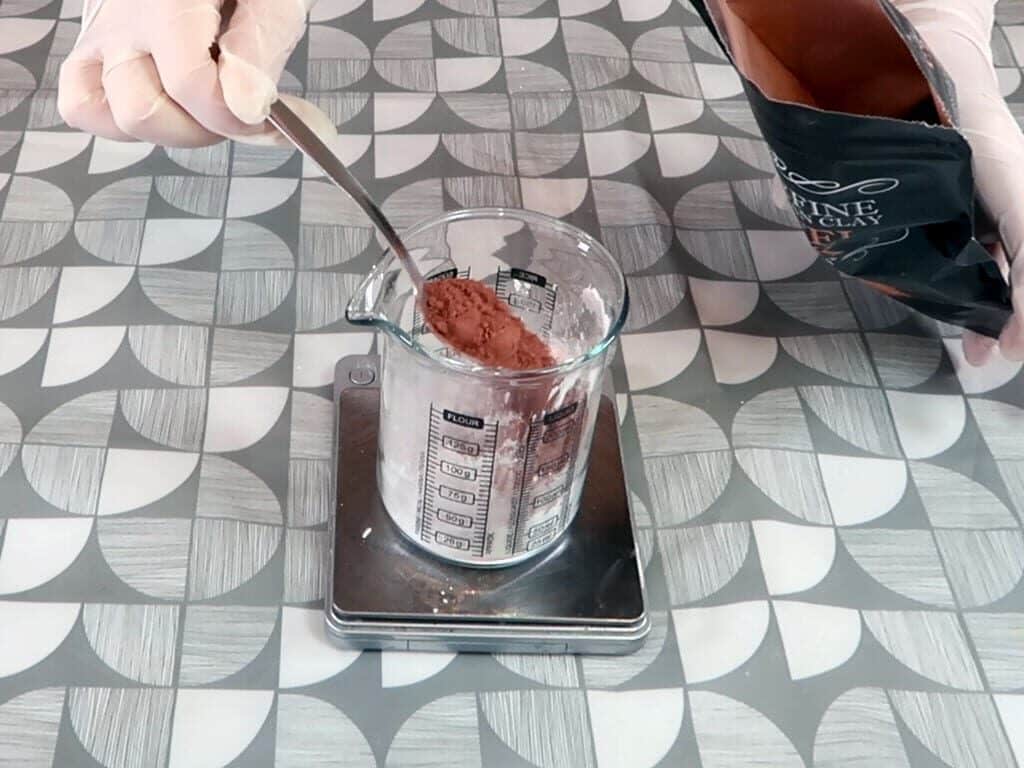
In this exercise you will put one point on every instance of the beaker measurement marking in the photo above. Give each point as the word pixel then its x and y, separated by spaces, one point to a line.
pixel 548 496
pixel 557 424
pixel 561 414
pixel 542 528
pixel 428 481
pixel 504 286
pixel 465 447
pixel 454 518
pixel 455 542
pixel 525 276
pixel 572 450
pixel 454 494
pixel 553 466
pixel 440 492
pixel 481 537
pixel 566 426
pixel 549 309
pixel 557 433
pixel 529 470
pixel 538 542
pixel 524 302
pixel 458 471
pixel 462 420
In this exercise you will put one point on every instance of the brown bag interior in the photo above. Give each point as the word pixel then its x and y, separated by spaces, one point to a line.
pixel 839 55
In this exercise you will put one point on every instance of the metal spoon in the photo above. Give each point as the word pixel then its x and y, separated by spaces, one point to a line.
pixel 298 132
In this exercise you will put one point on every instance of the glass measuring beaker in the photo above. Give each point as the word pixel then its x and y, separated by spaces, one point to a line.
pixel 486 466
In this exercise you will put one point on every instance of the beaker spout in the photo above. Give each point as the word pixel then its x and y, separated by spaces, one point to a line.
pixel 366 307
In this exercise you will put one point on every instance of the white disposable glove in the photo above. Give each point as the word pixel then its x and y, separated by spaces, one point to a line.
pixel 144 70
pixel 959 33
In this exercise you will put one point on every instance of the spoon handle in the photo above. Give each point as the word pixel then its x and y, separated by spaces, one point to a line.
pixel 293 128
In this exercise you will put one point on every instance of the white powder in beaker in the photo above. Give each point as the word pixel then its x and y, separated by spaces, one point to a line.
pixel 471 493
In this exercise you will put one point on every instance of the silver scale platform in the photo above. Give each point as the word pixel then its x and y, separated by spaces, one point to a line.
pixel 585 595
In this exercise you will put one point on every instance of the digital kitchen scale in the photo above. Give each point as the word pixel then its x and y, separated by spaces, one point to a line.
pixel 585 595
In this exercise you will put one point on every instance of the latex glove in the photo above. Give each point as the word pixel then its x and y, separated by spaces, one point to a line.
pixel 959 33
pixel 143 69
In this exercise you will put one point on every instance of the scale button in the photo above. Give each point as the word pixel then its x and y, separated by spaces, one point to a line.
pixel 361 376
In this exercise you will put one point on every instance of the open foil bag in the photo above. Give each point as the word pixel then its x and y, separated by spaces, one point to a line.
pixel 860 119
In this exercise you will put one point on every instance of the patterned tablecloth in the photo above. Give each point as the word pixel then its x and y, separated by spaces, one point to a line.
pixel 828 501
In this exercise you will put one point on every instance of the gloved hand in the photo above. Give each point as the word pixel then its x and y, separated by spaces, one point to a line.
pixel 959 33
pixel 144 70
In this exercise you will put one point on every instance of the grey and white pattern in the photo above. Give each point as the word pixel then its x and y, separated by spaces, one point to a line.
pixel 136 641
pixel 240 355
pixel 84 420
pixel 907 562
pixel 305 565
pixel 149 555
pixel 226 554
pixel 220 641
pixel 29 725
pixel 932 643
pixel 548 728
pixel 718 722
pixel 67 477
pixel 312 732
pixel 700 560
pixel 550 670
pixel 450 723
pixel 227 489
pixel 169 417
pixel 960 728
pixel 828 502
pixel 840 740
pixel 121 727
pixel 983 566
pixel 175 353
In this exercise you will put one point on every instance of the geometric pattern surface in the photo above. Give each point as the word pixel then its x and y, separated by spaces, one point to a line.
pixel 829 502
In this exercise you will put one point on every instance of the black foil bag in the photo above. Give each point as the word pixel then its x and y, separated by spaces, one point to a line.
pixel 858 117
